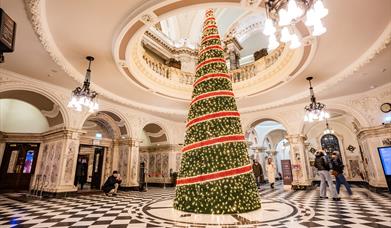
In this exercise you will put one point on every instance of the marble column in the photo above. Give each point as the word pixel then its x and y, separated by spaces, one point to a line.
pixel 128 161
pixel 134 163
pixel 369 140
pixel 300 162
pixel 58 159
pixel 233 48
pixel 2 147
pixel 115 156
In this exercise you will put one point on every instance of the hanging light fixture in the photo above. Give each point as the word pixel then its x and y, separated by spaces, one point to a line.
pixel 315 110
pixel 328 130
pixel 83 97
pixel 282 15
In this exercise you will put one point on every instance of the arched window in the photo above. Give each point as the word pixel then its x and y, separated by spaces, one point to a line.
pixel 329 143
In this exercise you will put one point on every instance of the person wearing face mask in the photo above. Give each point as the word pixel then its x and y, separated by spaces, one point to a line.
pixel 337 171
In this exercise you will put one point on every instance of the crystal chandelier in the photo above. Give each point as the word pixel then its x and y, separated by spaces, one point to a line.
pixel 282 15
pixel 315 110
pixel 83 97
pixel 328 130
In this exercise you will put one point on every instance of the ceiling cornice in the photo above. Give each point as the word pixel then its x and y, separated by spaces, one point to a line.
pixel 376 49
pixel 36 9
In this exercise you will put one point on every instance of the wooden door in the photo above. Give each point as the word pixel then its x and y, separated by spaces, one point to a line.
pixel 18 165
pixel 97 168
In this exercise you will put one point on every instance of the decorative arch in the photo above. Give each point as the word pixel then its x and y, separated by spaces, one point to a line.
pixel 343 109
pixel 117 126
pixel 330 143
pixel 255 121
pixel 270 135
pixel 46 103
pixel 156 133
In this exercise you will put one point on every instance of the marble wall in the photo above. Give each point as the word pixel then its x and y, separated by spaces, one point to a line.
pixel 159 162
pixel 58 159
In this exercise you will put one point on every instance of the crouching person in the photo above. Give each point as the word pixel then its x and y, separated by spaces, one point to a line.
pixel 112 183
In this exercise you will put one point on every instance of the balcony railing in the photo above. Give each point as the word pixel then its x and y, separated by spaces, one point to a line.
pixel 245 72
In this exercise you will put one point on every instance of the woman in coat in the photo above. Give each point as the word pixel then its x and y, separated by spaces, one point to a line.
pixel 271 172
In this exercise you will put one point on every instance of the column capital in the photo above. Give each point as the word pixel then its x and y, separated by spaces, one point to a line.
pixel 296 138
pixel 127 141
pixel 65 133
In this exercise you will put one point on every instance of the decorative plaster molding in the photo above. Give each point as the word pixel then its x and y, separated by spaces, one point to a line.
pixel 121 123
pixel 377 47
pixel 14 81
pixel 51 113
pixel 36 9
pixel 156 135
pixel 149 18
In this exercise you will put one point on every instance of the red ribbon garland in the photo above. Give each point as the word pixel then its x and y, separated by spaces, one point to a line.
pixel 212 116
pixel 208 19
pixel 214 176
pixel 209 142
pixel 216 47
pixel 212 94
pixel 210 76
pixel 209 27
pixel 210 37
pixel 213 60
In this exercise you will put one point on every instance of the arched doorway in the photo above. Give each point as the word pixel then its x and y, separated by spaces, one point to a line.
pixel 267 139
pixel 329 143
pixel 156 154
pixel 25 117
pixel 340 137
pixel 96 150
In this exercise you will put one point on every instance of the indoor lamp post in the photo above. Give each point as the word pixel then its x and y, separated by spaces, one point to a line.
pixel 315 110
pixel 83 97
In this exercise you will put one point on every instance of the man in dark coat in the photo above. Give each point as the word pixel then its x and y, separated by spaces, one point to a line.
pixel 337 167
pixel 112 183
pixel 258 173
pixel 322 163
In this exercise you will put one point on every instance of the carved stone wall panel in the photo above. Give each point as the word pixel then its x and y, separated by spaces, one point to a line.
pixel 158 165
pixel 70 162
pixel 56 163
pixel 152 165
pixel 178 158
pixel 123 162
pixel 165 167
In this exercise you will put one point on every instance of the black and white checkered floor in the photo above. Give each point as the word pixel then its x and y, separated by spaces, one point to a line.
pixel 154 209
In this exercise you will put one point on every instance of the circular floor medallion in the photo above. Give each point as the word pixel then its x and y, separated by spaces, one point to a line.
pixel 272 212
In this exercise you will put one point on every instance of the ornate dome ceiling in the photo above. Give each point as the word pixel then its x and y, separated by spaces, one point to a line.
pixel 57 35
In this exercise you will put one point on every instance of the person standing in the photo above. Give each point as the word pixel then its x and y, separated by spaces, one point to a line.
pixel 258 173
pixel 323 166
pixel 337 171
pixel 81 172
pixel 141 179
pixel 271 172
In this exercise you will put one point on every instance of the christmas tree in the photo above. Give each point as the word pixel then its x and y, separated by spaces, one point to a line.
pixel 215 175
